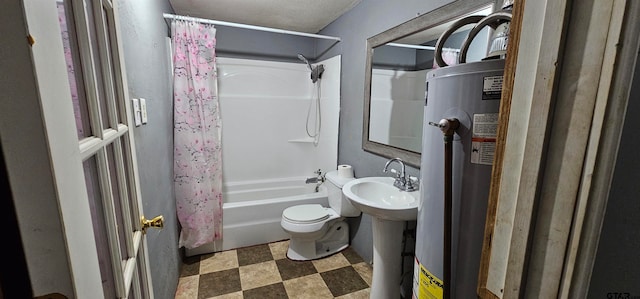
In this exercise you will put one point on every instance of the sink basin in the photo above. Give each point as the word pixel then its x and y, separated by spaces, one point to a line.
pixel 378 197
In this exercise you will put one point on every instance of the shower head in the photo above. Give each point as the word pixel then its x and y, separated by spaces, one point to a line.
pixel 304 59
pixel 316 72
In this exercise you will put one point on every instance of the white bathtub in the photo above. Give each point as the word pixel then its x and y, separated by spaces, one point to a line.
pixel 252 211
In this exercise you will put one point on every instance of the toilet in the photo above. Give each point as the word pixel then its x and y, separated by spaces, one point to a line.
pixel 316 231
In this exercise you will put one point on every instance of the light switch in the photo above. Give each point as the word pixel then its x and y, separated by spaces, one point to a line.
pixel 136 112
pixel 143 110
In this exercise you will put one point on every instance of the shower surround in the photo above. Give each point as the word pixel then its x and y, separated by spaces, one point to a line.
pixel 266 152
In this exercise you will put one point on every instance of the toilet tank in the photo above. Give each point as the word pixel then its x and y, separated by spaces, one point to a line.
pixel 337 201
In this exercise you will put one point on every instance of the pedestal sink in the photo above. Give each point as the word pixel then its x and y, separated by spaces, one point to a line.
pixel 389 208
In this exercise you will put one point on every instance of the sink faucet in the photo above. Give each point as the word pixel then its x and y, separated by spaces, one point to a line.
pixel 402 182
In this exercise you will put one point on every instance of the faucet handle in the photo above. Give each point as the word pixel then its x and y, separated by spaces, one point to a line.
pixel 397 173
pixel 413 184
pixel 400 180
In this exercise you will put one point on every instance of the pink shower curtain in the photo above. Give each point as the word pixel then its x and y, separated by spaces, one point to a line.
pixel 197 126
pixel 449 56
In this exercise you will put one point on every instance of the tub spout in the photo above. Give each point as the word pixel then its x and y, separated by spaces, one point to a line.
pixel 318 180
pixel 311 181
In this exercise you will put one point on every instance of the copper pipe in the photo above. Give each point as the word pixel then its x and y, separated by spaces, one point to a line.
pixel 448 127
pixel 448 165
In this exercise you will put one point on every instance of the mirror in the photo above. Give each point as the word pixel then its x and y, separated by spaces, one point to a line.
pixel 395 76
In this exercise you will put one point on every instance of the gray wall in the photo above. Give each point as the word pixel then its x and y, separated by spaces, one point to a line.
pixel 252 44
pixel 367 19
pixel 617 265
pixel 146 54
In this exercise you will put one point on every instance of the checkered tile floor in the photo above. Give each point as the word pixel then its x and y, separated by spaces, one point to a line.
pixel 263 271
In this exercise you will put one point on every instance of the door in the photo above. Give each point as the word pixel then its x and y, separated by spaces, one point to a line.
pixel 84 99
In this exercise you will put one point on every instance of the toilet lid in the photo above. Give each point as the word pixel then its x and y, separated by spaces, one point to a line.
pixel 306 213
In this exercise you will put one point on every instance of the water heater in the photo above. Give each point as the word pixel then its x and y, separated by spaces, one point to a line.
pixel 469 93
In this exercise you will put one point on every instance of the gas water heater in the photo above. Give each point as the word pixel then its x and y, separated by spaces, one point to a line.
pixel 458 144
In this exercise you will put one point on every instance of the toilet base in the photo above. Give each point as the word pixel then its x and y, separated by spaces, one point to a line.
pixel 334 240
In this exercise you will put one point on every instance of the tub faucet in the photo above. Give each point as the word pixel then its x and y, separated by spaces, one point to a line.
pixel 318 180
pixel 402 182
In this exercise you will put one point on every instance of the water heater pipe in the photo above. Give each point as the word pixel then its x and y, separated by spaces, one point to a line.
pixel 448 128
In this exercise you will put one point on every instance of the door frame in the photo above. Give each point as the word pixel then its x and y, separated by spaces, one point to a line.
pixel 540 232
pixel 30 166
pixel 586 232
pixel 44 163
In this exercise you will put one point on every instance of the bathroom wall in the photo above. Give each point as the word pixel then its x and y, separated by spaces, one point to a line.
pixel 365 20
pixel 146 54
pixel 264 108
pixel 253 44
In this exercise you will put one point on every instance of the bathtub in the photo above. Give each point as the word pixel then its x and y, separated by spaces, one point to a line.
pixel 252 211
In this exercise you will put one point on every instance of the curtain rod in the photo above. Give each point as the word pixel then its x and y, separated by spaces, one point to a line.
pixel 245 26
pixel 419 47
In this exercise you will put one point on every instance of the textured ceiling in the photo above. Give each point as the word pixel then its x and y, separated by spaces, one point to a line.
pixel 308 16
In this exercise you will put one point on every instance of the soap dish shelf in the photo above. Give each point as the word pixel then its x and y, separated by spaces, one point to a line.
pixel 302 140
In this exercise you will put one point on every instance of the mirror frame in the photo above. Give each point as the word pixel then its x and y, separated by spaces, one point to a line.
pixel 428 20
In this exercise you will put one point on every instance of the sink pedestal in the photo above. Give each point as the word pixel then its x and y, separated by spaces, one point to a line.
pixel 387 259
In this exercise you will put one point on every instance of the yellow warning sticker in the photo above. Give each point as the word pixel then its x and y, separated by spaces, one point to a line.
pixel 430 286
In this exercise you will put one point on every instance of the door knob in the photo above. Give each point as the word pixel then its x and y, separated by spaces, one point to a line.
pixel 157 222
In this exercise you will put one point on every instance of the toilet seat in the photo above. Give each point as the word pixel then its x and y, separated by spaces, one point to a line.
pixel 306 214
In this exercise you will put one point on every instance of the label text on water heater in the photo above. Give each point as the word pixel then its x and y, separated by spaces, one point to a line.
pixel 483 140
pixel 492 88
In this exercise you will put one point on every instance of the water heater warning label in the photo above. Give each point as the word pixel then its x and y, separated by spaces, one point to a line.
pixel 492 88
pixel 425 284
pixel 483 140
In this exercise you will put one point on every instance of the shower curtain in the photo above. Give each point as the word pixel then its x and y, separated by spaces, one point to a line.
pixel 197 127
pixel 449 56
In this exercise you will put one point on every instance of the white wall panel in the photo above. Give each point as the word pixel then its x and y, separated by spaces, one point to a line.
pixel 264 107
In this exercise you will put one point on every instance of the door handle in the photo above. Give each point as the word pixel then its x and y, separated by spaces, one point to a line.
pixel 157 222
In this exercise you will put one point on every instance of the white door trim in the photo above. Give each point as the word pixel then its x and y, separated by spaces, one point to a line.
pixel 591 33
pixel 567 82
pixel 538 53
pixel 133 164
pixel 67 153
pixel 57 113
pixel 610 116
